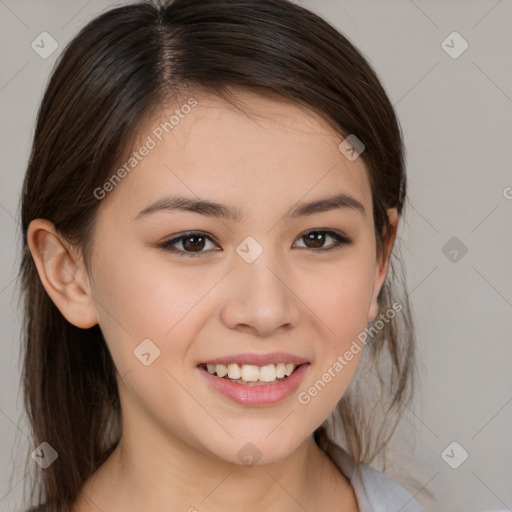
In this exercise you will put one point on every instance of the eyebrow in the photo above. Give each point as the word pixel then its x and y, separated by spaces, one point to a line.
pixel 216 210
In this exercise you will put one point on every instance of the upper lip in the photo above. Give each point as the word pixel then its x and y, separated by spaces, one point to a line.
pixel 258 359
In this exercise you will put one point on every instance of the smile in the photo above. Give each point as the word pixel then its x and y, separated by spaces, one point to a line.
pixel 248 373
pixel 252 385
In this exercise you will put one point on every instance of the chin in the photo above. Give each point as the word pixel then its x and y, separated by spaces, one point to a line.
pixel 247 450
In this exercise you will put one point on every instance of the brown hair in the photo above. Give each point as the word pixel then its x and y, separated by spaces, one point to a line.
pixel 122 66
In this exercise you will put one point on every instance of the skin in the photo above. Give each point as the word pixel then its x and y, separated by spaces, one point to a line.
pixel 180 438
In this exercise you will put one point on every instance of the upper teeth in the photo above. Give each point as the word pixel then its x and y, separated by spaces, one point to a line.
pixel 252 373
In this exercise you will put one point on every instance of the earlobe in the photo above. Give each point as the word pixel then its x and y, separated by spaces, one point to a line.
pixel 62 274
pixel 382 264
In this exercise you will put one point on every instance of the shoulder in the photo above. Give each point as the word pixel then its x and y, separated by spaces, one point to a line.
pixel 379 489
pixel 375 491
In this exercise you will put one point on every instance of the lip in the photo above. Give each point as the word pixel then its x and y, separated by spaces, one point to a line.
pixel 258 359
pixel 259 395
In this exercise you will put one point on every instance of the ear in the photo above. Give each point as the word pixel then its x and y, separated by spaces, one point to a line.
pixel 382 264
pixel 62 274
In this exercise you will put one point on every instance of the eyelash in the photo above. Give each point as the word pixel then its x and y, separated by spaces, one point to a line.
pixel 341 241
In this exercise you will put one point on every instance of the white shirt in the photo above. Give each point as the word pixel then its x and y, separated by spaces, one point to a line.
pixel 375 492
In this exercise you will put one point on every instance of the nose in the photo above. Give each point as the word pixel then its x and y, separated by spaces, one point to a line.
pixel 261 298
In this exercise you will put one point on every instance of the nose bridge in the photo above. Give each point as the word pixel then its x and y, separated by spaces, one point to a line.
pixel 264 279
pixel 261 295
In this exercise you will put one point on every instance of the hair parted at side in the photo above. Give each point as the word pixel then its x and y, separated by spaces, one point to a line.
pixel 120 68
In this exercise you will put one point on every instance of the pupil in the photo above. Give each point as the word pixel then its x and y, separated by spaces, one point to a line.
pixel 193 245
pixel 316 238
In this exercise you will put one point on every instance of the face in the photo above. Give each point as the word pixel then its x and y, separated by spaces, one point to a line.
pixel 276 283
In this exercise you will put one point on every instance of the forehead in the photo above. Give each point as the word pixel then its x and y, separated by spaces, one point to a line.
pixel 262 151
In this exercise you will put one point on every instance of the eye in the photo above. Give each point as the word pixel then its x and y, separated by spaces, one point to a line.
pixel 317 237
pixel 193 243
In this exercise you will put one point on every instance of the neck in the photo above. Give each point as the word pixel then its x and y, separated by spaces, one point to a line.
pixel 147 474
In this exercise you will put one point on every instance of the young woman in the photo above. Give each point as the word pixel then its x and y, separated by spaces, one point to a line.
pixel 209 224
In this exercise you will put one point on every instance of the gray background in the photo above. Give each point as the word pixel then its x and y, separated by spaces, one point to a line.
pixel 456 114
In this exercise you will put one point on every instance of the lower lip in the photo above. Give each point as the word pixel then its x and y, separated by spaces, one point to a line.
pixel 259 395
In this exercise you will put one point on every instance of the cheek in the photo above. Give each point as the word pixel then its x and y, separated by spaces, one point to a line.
pixel 138 299
pixel 340 296
pixel 341 311
pixel 157 395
